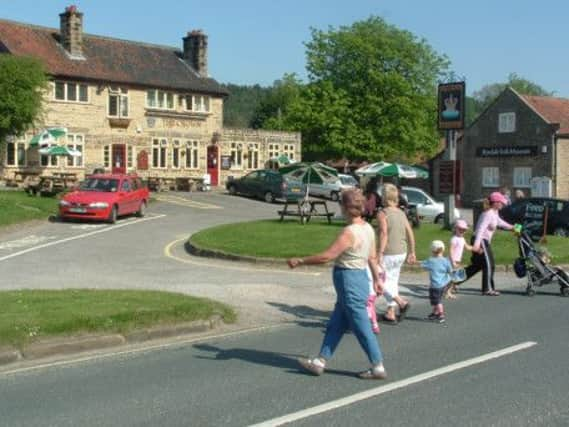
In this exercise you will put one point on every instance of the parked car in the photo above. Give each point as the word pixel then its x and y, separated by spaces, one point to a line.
pixel 347 182
pixel 428 209
pixel 265 184
pixel 330 188
pixel 531 213
pixel 105 197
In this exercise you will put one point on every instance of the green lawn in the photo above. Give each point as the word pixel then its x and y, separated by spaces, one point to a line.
pixel 274 239
pixel 18 206
pixel 28 315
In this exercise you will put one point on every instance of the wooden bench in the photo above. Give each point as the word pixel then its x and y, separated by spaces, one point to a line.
pixel 305 210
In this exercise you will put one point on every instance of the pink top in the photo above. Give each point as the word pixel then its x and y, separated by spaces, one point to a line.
pixel 487 224
pixel 457 248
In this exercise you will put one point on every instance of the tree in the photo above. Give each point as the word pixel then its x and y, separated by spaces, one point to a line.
pixel 371 95
pixel 243 101
pixel 274 106
pixel 22 85
pixel 488 93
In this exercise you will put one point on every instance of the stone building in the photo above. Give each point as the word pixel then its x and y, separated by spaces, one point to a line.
pixel 515 141
pixel 132 107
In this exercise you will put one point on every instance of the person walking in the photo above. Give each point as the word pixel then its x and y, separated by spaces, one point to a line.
pixel 482 257
pixel 439 269
pixel 353 250
pixel 457 246
pixel 396 244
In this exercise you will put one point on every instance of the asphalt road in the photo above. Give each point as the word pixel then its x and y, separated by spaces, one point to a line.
pixel 248 378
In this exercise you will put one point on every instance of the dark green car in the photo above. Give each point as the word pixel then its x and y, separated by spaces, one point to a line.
pixel 265 184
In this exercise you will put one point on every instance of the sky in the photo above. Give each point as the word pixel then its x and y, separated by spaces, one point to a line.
pixel 258 41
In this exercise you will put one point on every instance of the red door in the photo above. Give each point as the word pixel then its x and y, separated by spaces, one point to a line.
pixel 119 158
pixel 213 164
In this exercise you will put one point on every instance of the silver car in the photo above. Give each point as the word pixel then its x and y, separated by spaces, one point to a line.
pixel 428 209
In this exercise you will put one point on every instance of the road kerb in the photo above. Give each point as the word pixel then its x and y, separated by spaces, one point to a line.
pixel 62 346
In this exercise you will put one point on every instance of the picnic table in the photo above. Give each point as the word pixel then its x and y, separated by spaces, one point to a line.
pixel 51 184
pixel 305 209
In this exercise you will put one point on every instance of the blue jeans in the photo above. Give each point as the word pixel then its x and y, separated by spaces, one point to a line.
pixel 352 290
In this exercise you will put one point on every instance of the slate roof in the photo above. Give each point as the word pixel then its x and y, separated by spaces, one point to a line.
pixel 107 59
pixel 553 110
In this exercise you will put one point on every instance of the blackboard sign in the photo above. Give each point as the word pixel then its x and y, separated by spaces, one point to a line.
pixel 534 219
pixel 225 162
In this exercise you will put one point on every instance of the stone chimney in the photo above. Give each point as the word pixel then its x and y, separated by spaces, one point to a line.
pixel 71 31
pixel 195 51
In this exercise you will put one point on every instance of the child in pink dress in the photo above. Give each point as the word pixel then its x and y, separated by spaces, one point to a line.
pixel 457 246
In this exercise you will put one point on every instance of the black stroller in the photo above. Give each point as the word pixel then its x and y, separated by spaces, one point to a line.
pixel 535 264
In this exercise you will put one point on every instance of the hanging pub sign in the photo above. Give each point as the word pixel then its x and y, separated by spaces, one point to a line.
pixel 451 106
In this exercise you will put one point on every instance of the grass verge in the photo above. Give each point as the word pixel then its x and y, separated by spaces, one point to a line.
pixel 18 206
pixel 31 314
pixel 275 239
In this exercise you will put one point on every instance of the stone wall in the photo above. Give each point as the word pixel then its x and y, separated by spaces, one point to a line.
pixel 562 169
pixel 531 130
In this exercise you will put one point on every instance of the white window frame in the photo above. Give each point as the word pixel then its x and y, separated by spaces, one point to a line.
pixel 159 153
pixel 288 150
pixel 522 177
pixel 47 161
pixel 253 156
pixel 197 103
pixel 76 142
pixel 121 94
pixel 490 177
pixel 107 156
pixel 274 150
pixel 160 100
pixel 176 154
pixel 192 154
pixel 130 157
pixel 17 145
pixel 236 155
pixel 66 85
pixel 506 122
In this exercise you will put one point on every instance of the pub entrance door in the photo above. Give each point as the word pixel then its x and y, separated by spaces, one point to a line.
pixel 119 158
pixel 213 164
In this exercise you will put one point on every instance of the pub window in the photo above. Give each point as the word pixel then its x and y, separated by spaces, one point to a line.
pixel 197 103
pixel 236 155
pixel 522 177
pixel 159 153
pixel 118 102
pixel 192 154
pixel 107 156
pixel 71 92
pixel 274 150
pixel 490 177
pixel 176 154
pixel 253 156
pixel 159 99
pixel 75 142
pixel 48 161
pixel 506 122
pixel 288 150
pixel 130 157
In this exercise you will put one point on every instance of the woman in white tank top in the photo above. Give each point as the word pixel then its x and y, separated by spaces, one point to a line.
pixel 353 250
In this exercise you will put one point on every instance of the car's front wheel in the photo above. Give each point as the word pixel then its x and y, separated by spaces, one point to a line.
pixel 141 210
pixel 113 215
pixel 269 197
pixel 439 219
pixel 232 190
pixel 561 231
pixel 335 196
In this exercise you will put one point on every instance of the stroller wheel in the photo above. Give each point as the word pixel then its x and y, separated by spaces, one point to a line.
pixel 530 292
pixel 564 291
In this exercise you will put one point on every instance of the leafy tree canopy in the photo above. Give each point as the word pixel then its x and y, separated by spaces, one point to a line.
pixel 371 93
pixel 239 108
pixel 22 84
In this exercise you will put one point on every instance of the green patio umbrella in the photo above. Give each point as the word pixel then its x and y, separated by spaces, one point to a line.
pixel 59 150
pixel 309 173
pixel 398 170
pixel 48 136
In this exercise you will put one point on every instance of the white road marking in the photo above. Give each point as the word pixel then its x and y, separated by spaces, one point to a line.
pixel 80 236
pixel 25 241
pixel 88 226
pixel 335 404
pixel 143 348
pixel 182 201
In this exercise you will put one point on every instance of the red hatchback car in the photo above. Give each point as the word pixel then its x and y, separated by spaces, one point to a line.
pixel 105 197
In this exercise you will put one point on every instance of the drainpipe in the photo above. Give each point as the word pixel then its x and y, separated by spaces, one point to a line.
pixel 554 159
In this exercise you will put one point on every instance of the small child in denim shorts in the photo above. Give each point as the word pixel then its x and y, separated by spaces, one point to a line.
pixel 440 270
